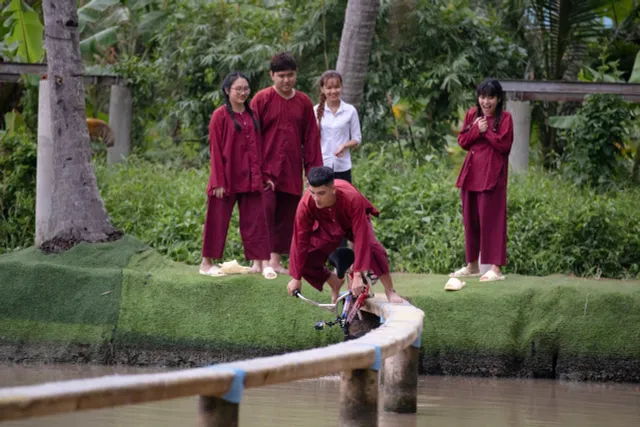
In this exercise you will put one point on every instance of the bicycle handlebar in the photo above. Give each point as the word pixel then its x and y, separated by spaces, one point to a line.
pixel 330 307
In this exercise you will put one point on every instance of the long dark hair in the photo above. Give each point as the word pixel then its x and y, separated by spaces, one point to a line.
pixel 327 75
pixel 490 88
pixel 226 87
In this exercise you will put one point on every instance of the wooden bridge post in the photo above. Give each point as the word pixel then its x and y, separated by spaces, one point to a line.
pixel 120 110
pixel 217 412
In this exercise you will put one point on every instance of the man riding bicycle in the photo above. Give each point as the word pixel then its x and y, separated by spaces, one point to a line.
pixel 330 210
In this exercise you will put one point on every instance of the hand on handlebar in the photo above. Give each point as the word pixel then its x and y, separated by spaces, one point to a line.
pixel 293 286
pixel 357 285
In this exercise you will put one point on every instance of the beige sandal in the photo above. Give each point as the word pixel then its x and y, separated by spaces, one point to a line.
pixel 454 284
pixel 233 267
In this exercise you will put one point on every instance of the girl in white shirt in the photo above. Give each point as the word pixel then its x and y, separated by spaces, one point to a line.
pixel 339 125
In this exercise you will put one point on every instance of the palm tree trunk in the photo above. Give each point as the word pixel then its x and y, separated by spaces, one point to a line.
pixel 77 210
pixel 355 47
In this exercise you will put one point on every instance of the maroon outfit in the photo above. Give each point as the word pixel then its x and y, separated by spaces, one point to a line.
pixel 236 166
pixel 483 187
pixel 319 231
pixel 291 140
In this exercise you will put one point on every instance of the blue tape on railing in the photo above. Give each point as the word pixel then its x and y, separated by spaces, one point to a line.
pixel 418 340
pixel 382 319
pixel 234 395
pixel 377 364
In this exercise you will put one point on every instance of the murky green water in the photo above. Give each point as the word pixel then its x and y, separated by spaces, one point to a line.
pixel 442 402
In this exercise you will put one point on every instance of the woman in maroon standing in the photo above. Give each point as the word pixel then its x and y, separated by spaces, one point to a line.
pixel 236 176
pixel 487 135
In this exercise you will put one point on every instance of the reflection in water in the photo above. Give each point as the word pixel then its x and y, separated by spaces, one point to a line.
pixel 442 402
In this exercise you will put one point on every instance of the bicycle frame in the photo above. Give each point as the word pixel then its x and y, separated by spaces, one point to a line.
pixel 350 307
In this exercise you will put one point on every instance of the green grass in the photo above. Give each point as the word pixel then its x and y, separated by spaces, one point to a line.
pixel 166 303
pixel 565 316
pixel 73 296
pixel 155 303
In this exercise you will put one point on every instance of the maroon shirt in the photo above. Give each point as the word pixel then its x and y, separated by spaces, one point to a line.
pixel 290 138
pixel 487 159
pixel 236 155
pixel 322 228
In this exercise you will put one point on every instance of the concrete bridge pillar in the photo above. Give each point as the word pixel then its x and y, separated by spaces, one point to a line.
pixel 359 398
pixel 217 412
pixel 120 110
pixel 521 114
pixel 44 168
pixel 400 381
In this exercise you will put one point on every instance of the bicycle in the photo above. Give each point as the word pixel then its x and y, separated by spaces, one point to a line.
pixel 342 259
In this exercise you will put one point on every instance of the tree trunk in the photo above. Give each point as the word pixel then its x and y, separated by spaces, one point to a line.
pixel 77 210
pixel 355 47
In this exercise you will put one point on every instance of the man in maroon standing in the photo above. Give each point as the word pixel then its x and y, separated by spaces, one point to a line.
pixel 291 140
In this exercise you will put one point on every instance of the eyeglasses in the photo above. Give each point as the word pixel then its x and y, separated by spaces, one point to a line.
pixel 241 89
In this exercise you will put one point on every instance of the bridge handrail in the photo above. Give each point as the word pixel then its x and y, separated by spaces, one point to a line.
pixel 402 327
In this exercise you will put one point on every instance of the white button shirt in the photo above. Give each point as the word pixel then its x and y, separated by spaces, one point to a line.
pixel 336 129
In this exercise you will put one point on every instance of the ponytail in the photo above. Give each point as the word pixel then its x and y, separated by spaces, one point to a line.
pixel 320 109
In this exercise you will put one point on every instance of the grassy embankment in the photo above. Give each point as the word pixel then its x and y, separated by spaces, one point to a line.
pixel 122 302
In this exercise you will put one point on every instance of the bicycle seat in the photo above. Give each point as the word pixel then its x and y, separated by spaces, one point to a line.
pixel 342 259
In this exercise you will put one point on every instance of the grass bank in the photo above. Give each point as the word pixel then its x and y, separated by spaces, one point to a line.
pixel 122 302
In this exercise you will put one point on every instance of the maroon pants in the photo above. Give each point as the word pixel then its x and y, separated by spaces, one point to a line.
pixel 316 273
pixel 253 225
pixel 280 210
pixel 484 215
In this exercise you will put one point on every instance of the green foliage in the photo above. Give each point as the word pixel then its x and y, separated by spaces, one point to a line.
pixel 595 146
pixel 434 80
pixel 200 43
pixel 553 225
pixel 17 190
pixel 21 34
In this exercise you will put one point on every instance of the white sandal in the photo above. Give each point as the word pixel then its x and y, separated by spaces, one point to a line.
pixel 491 276
pixel 269 273
pixel 214 271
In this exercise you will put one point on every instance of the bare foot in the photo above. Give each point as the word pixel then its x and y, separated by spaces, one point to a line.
pixel 393 297
pixel 279 268
pixel 205 265
pixel 256 268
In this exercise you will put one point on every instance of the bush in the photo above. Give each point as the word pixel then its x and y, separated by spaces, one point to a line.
pixel 18 154
pixel 554 226
pixel 595 150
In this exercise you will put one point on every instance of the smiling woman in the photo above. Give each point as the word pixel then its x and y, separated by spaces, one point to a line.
pixel 487 135
pixel 236 176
